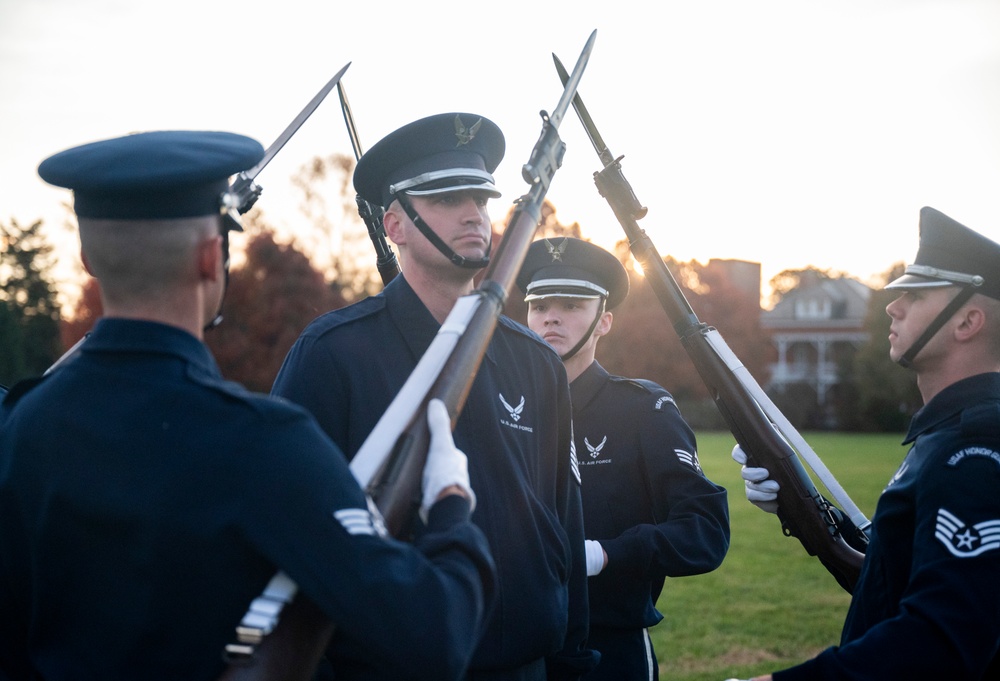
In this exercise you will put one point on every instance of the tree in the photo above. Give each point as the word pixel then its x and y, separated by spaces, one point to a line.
pixel 643 342
pixel 790 280
pixel 29 312
pixel 340 246
pixel 270 299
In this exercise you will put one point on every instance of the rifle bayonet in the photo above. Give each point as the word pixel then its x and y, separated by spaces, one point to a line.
pixel 244 190
pixel 385 259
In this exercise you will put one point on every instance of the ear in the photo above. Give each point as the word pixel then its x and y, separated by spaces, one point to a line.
pixel 86 263
pixel 392 222
pixel 210 258
pixel 604 324
pixel 971 320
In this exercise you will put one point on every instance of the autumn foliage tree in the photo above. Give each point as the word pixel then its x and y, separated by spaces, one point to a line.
pixel 643 343
pixel 270 299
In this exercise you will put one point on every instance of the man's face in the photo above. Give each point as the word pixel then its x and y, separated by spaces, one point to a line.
pixel 911 314
pixel 562 322
pixel 460 219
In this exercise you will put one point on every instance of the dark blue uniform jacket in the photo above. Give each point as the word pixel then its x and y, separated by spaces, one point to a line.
pixel 645 497
pixel 515 429
pixel 145 501
pixel 927 603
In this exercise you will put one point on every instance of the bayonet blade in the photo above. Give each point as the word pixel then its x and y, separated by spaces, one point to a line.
pixel 297 123
pixel 588 123
pixel 244 191
pixel 573 81
pixel 352 130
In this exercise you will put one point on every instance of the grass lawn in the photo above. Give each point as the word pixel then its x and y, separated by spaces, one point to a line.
pixel 770 605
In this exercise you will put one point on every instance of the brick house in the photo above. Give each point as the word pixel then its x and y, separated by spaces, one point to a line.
pixel 814 329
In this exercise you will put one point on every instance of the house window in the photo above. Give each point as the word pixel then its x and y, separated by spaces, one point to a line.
pixel 812 308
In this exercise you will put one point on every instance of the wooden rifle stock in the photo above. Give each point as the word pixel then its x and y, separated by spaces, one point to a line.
pixel 803 511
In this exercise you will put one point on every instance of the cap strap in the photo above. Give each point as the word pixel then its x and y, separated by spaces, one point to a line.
pixel 583 339
pixel 454 257
pixel 906 361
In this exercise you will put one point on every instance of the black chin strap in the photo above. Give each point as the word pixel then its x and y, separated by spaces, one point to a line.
pixel 906 361
pixel 225 267
pixel 583 341
pixel 429 234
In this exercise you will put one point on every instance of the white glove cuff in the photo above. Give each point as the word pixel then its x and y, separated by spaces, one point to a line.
pixel 595 557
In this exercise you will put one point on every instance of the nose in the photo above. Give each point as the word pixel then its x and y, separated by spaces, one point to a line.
pixel 894 308
pixel 473 212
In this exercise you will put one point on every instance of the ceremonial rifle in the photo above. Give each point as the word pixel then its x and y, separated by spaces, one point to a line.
pixel 761 430
pixel 385 259
pixel 389 465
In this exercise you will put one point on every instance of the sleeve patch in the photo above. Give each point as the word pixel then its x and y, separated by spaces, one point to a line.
pixel 974 452
pixel 361 521
pixel 689 458
pixel 964 541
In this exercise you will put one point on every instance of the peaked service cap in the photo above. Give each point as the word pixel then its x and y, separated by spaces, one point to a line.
pixel 572 268
pixel 442 153
pixel 951 254
pixel 152 175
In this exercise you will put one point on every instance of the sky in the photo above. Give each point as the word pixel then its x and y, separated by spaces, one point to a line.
pixel 792 133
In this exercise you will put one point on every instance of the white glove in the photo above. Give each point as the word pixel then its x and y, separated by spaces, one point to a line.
pixel 595 557
pixel 446 465
pixel 761 491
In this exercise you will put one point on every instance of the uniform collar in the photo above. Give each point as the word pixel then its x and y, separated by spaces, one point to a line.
pixel 112 334
pixel 585 387
pixel 415 322
pixel 952 401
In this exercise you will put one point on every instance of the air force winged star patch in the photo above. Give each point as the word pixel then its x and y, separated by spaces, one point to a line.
pixel 515 412
pixel 595 450
pixel 964 541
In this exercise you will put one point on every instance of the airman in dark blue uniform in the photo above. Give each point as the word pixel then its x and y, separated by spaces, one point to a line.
pixel 926 605
pixel 649 510
pixel 434 178
pixel 146 503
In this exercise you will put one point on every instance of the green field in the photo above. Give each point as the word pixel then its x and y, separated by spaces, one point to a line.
pixel 769 605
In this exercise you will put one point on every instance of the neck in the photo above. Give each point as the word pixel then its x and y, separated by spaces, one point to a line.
pixel 930 383
pixel 173 310
pixel 578 363
pixel 438 293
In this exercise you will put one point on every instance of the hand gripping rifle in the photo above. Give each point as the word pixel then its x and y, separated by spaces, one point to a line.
pixel 385 259
pixel 389 465
pixel 761 430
